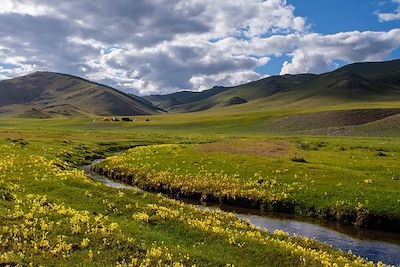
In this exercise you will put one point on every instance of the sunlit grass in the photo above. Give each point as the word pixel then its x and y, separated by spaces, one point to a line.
pixel 353 181
pixel 52 214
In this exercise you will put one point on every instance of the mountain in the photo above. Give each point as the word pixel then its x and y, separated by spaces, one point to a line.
pixel 226 96
pixel 176 99
pixel 356 82
pixel 47 94
pixel 370 81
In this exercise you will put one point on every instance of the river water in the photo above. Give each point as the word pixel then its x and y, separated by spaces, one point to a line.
pixel 373 245
pixel 362 244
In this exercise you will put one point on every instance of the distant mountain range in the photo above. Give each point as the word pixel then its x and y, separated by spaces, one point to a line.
pixel 377 81
pixel 47 94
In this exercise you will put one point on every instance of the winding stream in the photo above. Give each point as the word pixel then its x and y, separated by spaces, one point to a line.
pixel 373 245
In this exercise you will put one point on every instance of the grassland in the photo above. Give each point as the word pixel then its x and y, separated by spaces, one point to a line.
pixel 52 214
pixel 353 181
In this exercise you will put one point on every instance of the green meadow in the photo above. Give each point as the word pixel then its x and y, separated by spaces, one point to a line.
pixel 51 212
pixel 331 178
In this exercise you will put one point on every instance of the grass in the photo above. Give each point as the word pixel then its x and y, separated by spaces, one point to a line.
pixel 51 211
pixel 331 178
pixel 65 218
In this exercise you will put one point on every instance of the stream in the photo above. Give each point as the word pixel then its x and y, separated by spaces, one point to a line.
pixel 373 245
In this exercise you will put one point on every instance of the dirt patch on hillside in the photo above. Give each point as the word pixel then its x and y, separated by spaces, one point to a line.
pixel 250 147
pixel 330 119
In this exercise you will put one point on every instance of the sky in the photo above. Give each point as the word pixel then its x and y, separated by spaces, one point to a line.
pixel 162 46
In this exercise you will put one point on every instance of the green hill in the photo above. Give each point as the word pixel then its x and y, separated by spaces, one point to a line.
pixel 176 99
pixel 47 94
pixel 354 83
pixel 220 96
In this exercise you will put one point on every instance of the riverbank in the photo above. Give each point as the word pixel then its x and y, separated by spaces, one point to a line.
pixel 65 218
pixel 271 179
pixel 374 245
pixel 50 212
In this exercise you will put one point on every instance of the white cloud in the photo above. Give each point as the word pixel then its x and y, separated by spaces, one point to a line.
pixel 149 46
pixel 316 53
pixel 391 16
pixel 168 45
pixel 202 82
pixel 32 8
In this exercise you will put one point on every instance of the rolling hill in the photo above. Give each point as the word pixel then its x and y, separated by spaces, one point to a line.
pixel 227 96
pixel 47 94
pixel 359 82
pixel 184 97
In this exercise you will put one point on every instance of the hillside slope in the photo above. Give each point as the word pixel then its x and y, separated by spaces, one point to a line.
pixel 228 96
pixel 184 97
pixel 354 83
pixel 47 94
pixel 359 81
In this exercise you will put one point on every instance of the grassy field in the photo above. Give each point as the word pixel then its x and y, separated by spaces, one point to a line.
pixel 51 212
pixel 353 180
pixel 380 119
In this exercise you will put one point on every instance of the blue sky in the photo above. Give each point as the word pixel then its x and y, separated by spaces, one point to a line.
pixel 148 47
pixel 327 16
pixel 333 16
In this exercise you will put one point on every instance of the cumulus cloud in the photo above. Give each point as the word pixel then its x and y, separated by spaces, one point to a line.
pixel 148 46
pixel 202 82
pixel 161 46
pixel 316 53
pixel 395 15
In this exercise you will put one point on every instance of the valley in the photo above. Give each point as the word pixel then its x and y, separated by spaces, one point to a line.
pixel 272 146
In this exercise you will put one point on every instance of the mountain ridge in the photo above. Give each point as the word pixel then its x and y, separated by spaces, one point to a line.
pixel 364 81
pixel 51 94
